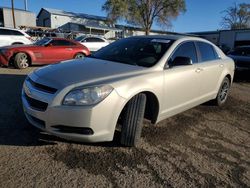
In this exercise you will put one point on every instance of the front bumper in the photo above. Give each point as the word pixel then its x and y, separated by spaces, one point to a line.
pixel 101 119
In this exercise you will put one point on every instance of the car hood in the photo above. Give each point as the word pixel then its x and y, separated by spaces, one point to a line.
pixel 83 72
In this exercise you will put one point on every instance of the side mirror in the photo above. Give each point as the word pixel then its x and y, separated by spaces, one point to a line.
pixel 179 61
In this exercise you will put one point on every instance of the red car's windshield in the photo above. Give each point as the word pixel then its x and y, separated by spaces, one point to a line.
pixel 42 42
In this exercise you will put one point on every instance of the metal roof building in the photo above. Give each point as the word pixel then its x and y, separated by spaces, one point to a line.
pixel 22 17
pixel 70 21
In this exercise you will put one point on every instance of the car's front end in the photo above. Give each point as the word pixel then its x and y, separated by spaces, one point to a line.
pixel 79 111
pixel 91 123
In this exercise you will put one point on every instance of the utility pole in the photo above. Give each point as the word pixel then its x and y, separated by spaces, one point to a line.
pixel 26 4
pixel 13 13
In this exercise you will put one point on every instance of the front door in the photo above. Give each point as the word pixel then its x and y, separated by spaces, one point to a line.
pixel 182 83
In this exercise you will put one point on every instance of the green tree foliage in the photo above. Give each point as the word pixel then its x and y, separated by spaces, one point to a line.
pixel 236 17
pixel 144 12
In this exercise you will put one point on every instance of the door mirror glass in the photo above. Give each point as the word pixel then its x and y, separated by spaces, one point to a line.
pixel 179 61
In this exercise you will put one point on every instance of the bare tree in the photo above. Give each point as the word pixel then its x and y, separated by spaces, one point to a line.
pixel 144 12
pixel 236 17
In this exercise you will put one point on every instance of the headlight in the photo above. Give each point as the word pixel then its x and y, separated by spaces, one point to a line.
pixel 87 96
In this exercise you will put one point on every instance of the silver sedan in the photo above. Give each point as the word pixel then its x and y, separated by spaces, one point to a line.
pixel 151 77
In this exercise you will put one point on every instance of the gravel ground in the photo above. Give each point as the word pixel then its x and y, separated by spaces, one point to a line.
pixel 206 146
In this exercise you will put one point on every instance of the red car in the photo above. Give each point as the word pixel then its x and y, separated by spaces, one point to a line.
pixel 44 51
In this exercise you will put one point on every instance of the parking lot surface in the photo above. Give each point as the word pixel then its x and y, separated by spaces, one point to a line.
pixel 205 146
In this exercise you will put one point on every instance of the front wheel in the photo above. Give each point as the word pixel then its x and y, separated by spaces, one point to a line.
pixel 223 92
pixel 79 56
pixel 132 120
pixel 21 61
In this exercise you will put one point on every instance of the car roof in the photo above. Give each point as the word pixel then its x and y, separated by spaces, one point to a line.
pixel 169 36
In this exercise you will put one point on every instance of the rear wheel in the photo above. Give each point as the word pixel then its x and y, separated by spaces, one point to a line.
pixel 132 120
pixel 223 92
pixel 79 56
pixel 21 61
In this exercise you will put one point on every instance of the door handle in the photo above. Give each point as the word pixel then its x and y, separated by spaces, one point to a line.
pixel 221 65
pixel 198 70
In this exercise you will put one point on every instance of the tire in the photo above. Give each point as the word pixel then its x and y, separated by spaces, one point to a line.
pixel 132 120
pixel 21 61
pixel 79 56
pixel 222 95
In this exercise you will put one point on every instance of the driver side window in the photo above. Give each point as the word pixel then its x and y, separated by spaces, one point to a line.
pixel 186 49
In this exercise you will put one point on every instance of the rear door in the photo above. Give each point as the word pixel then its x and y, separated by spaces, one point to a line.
pixel 211 68
pixel 182 83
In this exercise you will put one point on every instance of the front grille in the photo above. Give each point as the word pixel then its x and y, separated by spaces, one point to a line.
pixel 76 130
pixel 41 87
pixel 36 104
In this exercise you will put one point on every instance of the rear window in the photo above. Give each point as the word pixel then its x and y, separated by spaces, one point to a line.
pixel 62 43
pixel 10 32
pixel 5 32
pixel 207 52
pixel 13 32
pixel 94 39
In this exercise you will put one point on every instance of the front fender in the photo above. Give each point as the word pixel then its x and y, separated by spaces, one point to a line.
pixel 30 54
pixel 153 83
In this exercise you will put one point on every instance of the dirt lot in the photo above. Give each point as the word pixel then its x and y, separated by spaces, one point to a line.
pixel 206 146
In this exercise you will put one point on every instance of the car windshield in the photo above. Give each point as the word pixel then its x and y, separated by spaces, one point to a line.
pixel 80 38
pixel 144 52
pixel 42 42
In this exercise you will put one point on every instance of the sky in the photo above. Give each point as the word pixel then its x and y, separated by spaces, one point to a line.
pixel 201 15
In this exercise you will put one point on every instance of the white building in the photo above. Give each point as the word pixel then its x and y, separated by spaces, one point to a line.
pixel 22 18
pixel 88 24
pixel 69 21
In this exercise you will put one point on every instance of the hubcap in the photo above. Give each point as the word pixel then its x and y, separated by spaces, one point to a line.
pixel 224 91
pixel 24 61
pixel 79 56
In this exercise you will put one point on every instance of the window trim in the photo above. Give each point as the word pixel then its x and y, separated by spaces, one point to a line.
pixel 166 66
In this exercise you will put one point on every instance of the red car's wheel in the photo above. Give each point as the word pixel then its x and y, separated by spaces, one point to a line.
pixel 79 56
pixel 21 61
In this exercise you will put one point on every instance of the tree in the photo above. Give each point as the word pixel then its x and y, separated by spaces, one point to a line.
pixel 236 17
pixel 144 12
